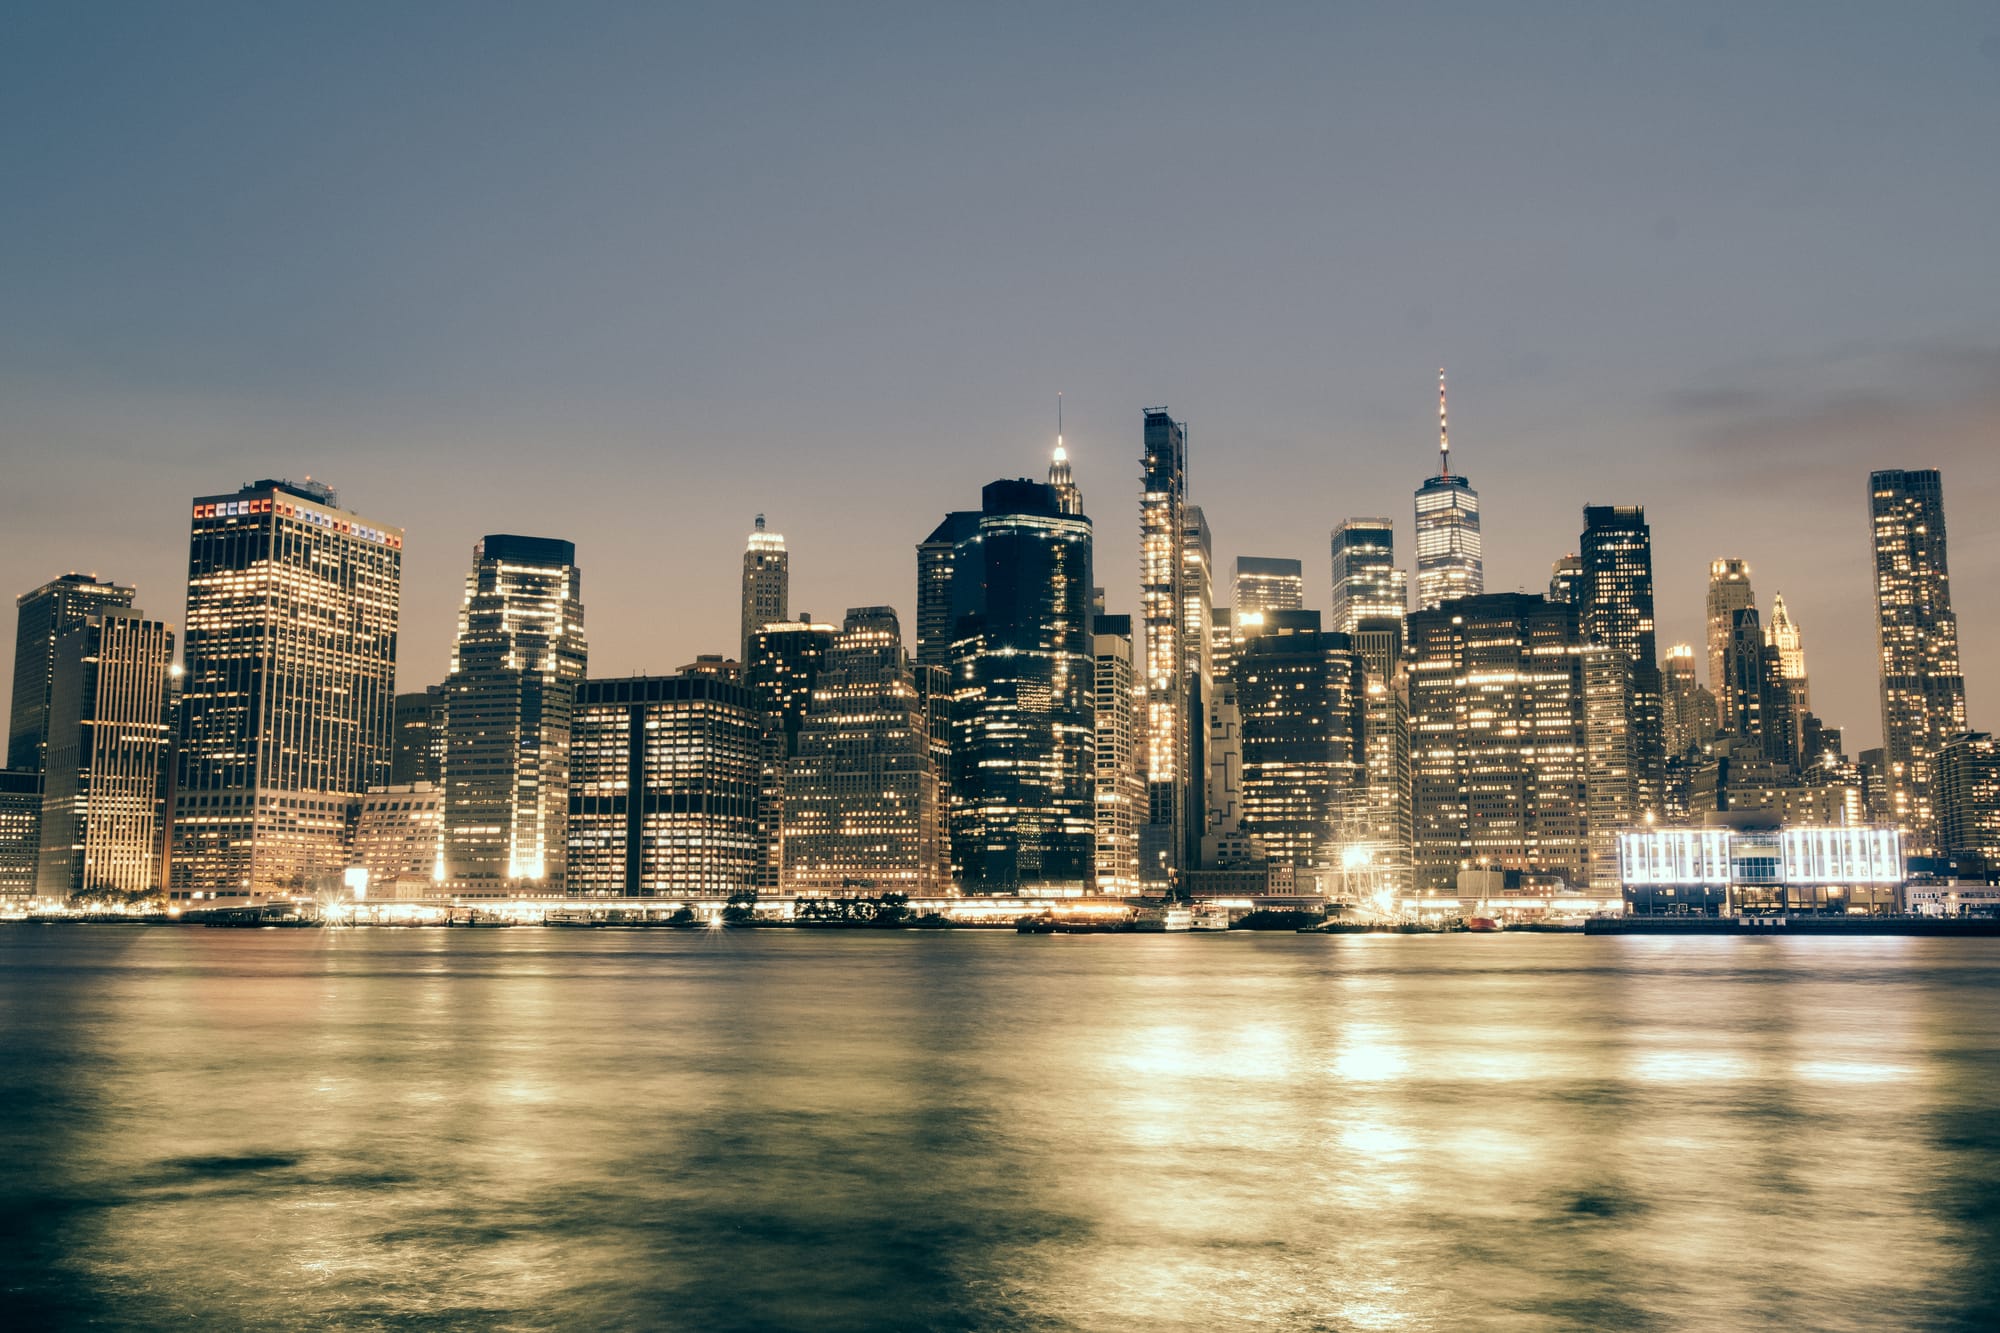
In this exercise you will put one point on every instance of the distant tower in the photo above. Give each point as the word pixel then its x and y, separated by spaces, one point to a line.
pixel 766 583
pixel 1566 579
pixel 1367 582
pixel 1785 638
pixel 1449 563
pixel 1923 691
pixel 1268 583
pixel 1728 592
pixel 1121 790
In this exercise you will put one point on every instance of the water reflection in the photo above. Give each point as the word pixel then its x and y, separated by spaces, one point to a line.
pixel 532 1129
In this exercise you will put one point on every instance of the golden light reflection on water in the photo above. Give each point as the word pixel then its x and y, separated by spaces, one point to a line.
pixel 546 1129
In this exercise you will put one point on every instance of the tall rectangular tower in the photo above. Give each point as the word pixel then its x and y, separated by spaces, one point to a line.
pixel 1450 560
pixel 1729 591
pixel 45 615
pixel 1268 583
pixel 1616 610
pixel 509 701
pixel 1367 582
pixel 107 751
pixel 766 584
pixel 1121 791
pixel 1923 692
pixel 1162 597
pixel 290 686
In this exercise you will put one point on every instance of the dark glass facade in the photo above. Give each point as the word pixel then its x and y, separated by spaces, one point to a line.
pixel 1023 752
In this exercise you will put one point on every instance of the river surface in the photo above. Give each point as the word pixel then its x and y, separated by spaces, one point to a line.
pixel 530 1129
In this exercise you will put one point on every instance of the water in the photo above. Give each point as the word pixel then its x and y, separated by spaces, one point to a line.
pixel 774 1130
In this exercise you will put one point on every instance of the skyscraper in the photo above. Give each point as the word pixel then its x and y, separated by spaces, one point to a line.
pixel 1024 724
pixel 1968 797
pixel 1367 582
pixel 1687 708
pixel 782 669
pixel 289 691
pixel 766 584
pixel 663 787
pixel 1497 743
pixel 418 752
pixel 1566 579
pixel 1268 583
pixel 1300 691
pixel 862 798
pixel 1449 563
pixel 1923 693
pixel 1198 603
pixel 1728 592
pixel 106 753
pixel 509 701
pixel 1790 645
pixel 1121 790
pixel 1162 574
pixel 1611 760
pixel 1616 610
pixel 1062 480
pixel 937 585
pixel 45 615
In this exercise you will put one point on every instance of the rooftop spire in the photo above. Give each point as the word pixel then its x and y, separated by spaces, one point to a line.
pixel 1068 499
pixel 1444 431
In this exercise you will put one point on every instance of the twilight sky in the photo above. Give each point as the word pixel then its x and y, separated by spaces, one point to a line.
pixel 628 274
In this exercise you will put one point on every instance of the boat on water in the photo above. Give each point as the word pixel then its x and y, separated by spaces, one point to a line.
pixel 1483 923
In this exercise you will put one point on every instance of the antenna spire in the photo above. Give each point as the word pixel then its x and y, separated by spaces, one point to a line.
pixel 1444 431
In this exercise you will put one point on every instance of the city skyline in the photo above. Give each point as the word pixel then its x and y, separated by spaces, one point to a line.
pixel 1728 318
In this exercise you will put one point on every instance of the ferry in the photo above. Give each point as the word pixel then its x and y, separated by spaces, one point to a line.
pixel 1483 923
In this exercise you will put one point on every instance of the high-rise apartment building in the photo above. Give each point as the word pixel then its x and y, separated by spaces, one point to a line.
pixel 663 788
pixel 1923 692
pixel 1367 582
pixel 1497 744
pixel 1120 798
pixel 862 797
pixel 1162 604
pixel 1391 830
pixel 1301 693
pixel 1616 610
pixel 45 615
pixel 106 753
pixel 1611 760
pixel 766 583
pixel 1023 716
pixel 1449 559
pixel 289 692
pixel 783 667
pixel 1268 583
pixel 417 753
pixel 1728 592
pixel 509 702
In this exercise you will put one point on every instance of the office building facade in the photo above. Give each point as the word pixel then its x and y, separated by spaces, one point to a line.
pixel 862 799
pixel 1300 690
pixel 1368 584
pixel 663 788
pixel 509 703
pixel 767 579
pixel 289 691
pixel 105 758
pixel 1120 796
pixel 42 617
